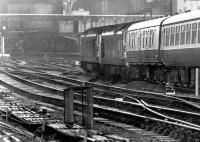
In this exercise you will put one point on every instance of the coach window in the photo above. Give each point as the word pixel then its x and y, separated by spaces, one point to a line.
pixel 163 37
pixel 188 33
pixel 131 46
pixel 182 35
pixel 153 36
pixel 136 40
pixel 128 40
pixel 172 36
pixel 139 40
pixel 150 38
pixel 177 35
pixel 143 39
pixel 199 32
pixel 147 38
pixel 133 40
pixel 194 32
pixel 120 47
pixel 167 36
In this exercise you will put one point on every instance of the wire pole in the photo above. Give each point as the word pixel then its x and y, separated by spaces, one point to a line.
pixel 171 13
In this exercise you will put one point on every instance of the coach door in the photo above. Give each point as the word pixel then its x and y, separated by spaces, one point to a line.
pixel 99 46
pixel 102 48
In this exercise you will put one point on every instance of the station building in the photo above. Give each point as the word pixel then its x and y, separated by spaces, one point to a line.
pixel 32 6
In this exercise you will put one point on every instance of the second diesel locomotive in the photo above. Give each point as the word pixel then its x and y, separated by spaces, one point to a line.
pixel 164 49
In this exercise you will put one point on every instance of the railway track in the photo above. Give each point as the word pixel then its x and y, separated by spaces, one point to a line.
pixel 100 108
pixel 75 71
pixel 71 70
pixel 153 97
pixel 61 85
pixel 140 107
pixel 8 133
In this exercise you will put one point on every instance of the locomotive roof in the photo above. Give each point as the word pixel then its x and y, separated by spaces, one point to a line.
pixel 146 24
pixel 109 28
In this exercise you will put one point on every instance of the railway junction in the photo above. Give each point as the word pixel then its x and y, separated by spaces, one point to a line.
pixel 35 90
pixel 97 78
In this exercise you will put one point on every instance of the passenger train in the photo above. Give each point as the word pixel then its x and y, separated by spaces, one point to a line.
pixel 166 49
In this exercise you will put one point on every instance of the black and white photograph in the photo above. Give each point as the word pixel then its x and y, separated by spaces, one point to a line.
pixel 99 70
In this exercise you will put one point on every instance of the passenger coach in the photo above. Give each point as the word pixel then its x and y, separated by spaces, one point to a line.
pixel 143 48
pixel 181 40
pixel 180 48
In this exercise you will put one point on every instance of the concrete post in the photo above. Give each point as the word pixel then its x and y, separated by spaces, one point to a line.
pixel 2 46
pixel 88 112
pixel 69 106
pixel 197 83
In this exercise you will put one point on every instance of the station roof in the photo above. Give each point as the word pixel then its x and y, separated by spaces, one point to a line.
pixel 61 17
pixel 109 28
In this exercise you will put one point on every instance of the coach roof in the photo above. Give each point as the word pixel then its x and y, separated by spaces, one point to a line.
pixel 146 24
pixel 183 17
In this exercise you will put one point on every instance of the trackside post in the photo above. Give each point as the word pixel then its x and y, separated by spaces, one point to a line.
pixel 197 83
